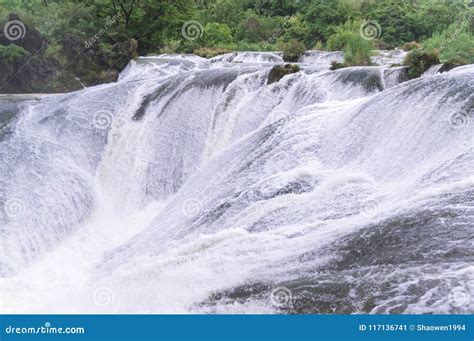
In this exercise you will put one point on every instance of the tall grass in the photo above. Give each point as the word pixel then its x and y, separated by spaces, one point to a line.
pixel 455 43
pixel 357 50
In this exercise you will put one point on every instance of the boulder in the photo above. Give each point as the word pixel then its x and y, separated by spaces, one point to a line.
pixel 278 72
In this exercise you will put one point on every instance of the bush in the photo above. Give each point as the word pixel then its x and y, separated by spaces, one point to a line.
pixel 216 34
pixel 455 42
pixel 292 50
pixel 13 53
pixel 420 61
pixel 410 46
pixel 357 50
pixel 207 52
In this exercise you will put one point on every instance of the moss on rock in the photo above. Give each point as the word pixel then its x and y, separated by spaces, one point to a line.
pixel 207 52
pixel 335 65
pixel 410 46
pixel 452 63
pixel 420 61
pixel 278 72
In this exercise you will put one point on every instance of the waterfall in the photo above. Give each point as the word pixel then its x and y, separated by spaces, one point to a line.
pixel 191 185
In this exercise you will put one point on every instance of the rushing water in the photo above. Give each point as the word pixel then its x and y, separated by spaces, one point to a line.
pixel 191 185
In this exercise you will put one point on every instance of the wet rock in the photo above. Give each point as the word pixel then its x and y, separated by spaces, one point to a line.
pixel 335 65
pixel 451 64
pixel 418 62
pixel 278 72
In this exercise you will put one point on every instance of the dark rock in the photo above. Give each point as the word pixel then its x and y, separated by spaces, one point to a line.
pixel 335 65
pixel 420 61
pixel 278 72
pixel 452 63
pixel 28 76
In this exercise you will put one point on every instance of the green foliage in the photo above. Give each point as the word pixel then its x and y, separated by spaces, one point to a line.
pixel 90 35
pixel 292 50
pixel 452 63
pixel 410 46
pixel 323 17
pixel 12 53
pixel 419 61
pixel 457 41
pixel 295 28
pixel 357 50
pixel 216 34
pixel 207 52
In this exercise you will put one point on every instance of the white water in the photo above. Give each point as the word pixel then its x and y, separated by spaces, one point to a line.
pixel 193 186
pixel 380 57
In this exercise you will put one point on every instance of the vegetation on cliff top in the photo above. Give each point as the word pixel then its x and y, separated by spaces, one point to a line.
pixel 94 39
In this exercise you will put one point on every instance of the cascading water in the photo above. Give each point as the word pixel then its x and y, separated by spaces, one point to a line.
pixel 194 186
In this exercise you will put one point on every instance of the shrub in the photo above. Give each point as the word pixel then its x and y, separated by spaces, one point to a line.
pixel 419 61
pixel 457 41
pixel 318 46
pixel 292 50
pixel 207 52
pixel 13 53
pixel 171 46
pixel 357 50
pixel 410 46
pixel 216 34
